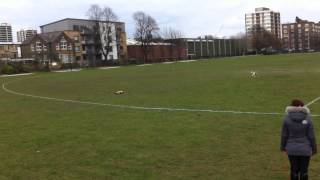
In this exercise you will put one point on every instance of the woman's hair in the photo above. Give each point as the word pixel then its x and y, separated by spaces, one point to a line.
pixel 297 103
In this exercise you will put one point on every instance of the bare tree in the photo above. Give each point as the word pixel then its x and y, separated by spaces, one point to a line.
pixel 146 29
pixel 262 41
pixel 103 29
pixel 108 16
pixel 211 37
pixel 242 42
pixel 175 38
pixel 95 14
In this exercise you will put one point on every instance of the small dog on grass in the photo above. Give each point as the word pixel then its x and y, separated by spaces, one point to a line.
pixel 119 92
pixel 253 74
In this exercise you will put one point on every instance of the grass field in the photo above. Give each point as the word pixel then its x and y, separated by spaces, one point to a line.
pixel 46 139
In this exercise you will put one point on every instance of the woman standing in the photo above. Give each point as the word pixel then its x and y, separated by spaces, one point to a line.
pixel 298 139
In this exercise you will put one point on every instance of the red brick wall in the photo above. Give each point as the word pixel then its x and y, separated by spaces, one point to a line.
pixel 158 53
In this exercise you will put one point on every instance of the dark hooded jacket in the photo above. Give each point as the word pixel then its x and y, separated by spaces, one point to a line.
pixel 297 137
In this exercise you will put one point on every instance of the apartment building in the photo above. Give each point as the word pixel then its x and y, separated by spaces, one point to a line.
pixel 22 35
pixel 302 35
pixel 95 51
pixel 62 47
pixel 5 33
pixel 263 18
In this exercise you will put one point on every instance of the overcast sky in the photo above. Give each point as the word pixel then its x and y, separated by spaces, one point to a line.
pixel 192 17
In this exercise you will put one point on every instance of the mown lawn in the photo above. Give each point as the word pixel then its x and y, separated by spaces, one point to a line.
pixel 44 139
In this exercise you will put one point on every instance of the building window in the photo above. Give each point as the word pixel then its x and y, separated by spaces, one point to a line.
pixel 32 47
pixel 44 47
pixel 58 47
pixel 70 47
pixel 77 48
pixel 64 58
pixel 38 46
pixel 63 44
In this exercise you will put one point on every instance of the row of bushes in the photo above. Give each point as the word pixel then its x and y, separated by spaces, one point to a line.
pixel 16 68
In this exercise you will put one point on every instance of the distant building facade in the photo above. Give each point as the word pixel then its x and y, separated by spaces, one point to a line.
pixel 5 33
pixel 158 52
pixel 8 51
pixel 301 35
pixel 63 47
pixel 263 18
pixel 211 48
pixel 23 35
pixel 91 53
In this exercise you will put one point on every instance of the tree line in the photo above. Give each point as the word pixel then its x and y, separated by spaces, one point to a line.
pixel 148 31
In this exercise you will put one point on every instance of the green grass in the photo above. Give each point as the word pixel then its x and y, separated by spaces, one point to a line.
pixel 43 139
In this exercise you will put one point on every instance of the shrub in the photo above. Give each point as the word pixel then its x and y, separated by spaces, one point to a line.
pixel 8 69
pixel 27 68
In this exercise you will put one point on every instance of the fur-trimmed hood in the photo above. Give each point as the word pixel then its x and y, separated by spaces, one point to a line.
pixel 297 114
pixel 292 109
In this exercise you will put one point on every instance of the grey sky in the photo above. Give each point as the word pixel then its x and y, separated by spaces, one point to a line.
pixel 192 17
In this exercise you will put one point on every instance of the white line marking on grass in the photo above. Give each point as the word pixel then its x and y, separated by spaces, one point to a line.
pixel 141 65
pixel 312 102
pixel 186 61
pixel 136 107
pixel 114 67
pixel 68 70
pixel 14 75
pixel 168 62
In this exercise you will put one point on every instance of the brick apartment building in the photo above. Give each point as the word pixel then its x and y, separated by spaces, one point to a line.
pixel 63 47
pixel 91 54
pixel 301 36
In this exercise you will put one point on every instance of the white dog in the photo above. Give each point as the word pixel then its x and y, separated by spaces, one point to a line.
pixel 119 92
pixel 253 74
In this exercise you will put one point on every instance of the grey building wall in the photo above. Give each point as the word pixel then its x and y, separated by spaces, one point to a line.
pixel 64 25
pixel 69 24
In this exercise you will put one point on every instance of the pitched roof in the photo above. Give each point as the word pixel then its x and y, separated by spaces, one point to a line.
pixel 79 20
pixel 47 37
pixel 50 37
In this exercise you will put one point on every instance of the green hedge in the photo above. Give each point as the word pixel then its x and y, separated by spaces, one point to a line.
pixel 8 69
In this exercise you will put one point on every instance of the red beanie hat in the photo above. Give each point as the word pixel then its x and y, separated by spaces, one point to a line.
pixel 297 103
